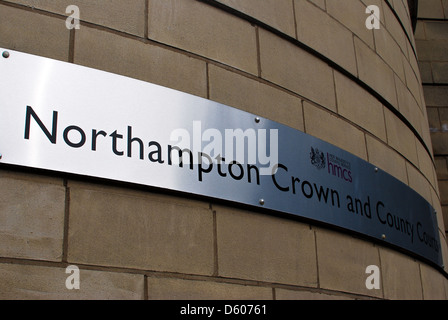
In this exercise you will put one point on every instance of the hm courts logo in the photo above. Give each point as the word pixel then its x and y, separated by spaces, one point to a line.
pixel 335 165
pixel 317 158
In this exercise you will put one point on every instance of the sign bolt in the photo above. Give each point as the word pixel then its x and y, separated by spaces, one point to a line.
pixel 261 201
pixel 5 54
pixel 257 119
pixel 383 236
pixel 376 170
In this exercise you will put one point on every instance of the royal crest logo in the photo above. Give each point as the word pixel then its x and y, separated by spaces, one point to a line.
pixel 317 158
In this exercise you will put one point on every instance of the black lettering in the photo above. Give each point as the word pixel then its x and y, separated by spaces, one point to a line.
pixel 407 227
pixel 251 167
pixel 350 204
pixel 367 210
pixel 181 157
pixel 201 170
pixel 284 189
pixel 158 152
pixel 334 192
pixel 418 231
pixel 379 203
pixel 30 113
pixel 81 132
pixel 309 195
pixel 236 177
pixel 116 136
pixel 390 221
pixel 94 136
pixel 219 159
pixel 294 180
pixel 321 193
pixel 131 140
pixel 358 205
pixel 399 223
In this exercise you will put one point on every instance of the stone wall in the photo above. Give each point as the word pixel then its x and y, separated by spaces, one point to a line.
pixel 432 45
pixel 312 65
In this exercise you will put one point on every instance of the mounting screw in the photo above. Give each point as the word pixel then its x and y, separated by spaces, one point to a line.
pixel 383 236
pixel 257 119
pixel 261 201
pixel 376 169
pixel 5 54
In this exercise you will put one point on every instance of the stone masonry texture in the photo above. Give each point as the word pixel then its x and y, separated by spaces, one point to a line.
pixel 309 64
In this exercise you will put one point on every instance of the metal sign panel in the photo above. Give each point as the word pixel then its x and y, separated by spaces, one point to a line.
pixel 68 118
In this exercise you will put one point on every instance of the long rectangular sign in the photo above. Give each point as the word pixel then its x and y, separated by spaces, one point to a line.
pixel 67 118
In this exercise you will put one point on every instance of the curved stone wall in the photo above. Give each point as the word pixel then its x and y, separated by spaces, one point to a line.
pixel 310 64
